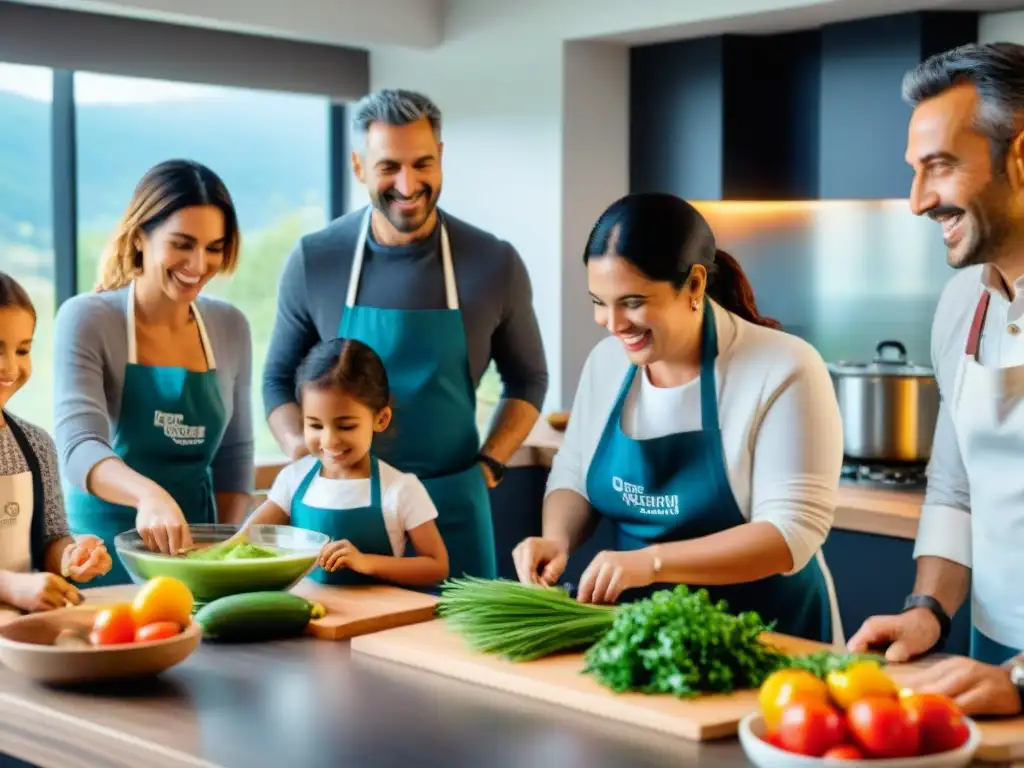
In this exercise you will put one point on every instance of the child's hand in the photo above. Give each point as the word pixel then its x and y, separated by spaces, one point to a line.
pixel 38 591
pixel 85 559
pixel 342 554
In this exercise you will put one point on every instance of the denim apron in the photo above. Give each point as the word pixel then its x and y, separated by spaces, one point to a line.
pixel 434 405
pixel 988 417
pixel 676 488
pixel 170 427
pixel 362 526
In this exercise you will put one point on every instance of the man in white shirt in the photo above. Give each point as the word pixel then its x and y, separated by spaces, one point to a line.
pixel 966 145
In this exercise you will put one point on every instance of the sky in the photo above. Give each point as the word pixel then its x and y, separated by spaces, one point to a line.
pixel 35 83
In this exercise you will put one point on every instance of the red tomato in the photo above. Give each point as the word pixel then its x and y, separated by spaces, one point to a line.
pixel 883 728
pixel 772 737
pixel 942 724
pixel 157 630
pixel 845 752
pixel 810 728
pixel 113 625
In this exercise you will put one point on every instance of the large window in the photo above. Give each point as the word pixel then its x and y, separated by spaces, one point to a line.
pixel 26 218
pixel 271 149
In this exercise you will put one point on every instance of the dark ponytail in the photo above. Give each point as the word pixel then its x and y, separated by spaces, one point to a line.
pixel 664 237
pixel 728 285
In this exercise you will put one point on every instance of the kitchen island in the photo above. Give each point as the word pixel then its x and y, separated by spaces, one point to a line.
pixel 310 703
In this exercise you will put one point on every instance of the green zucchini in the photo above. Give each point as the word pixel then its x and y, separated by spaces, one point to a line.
pixel 255 616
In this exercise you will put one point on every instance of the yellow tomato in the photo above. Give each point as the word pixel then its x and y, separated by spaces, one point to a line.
pixel 785 687
pixel 163 599
pixel 858 681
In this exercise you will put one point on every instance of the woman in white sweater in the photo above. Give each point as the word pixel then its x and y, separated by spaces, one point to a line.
pixel 712 439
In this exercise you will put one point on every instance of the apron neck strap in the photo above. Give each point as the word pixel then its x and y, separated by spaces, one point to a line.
pixel 708 354
pixel 450 290
pixel 133 350
pixel 977 324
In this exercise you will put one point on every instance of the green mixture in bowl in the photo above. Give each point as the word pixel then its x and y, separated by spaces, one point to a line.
pixel 241 551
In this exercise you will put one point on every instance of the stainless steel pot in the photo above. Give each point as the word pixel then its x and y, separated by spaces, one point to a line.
pixel 889 407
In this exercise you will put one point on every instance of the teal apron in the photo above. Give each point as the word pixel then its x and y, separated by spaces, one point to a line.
pixel 169 429
pixel 434 434
pixel 362 526
pixel 676 488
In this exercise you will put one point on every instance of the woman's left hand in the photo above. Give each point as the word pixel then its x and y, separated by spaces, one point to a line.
pixel 611 573
pixel 85 559
pixel 341 554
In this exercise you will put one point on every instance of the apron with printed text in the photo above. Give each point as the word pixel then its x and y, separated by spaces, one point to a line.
pixel 676 488
pixel 170 426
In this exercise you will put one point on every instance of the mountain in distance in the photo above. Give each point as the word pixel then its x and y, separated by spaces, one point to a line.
pixel 271 150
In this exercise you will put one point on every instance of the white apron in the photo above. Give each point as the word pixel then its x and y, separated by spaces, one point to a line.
pixel 16 500
pixel 988 416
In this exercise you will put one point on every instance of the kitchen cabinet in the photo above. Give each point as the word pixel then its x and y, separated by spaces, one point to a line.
pixel 863 119
pixel 704 128
pixel 815 114
pixel 873 575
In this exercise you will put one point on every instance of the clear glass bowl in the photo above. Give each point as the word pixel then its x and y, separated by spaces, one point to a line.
pixel 298 549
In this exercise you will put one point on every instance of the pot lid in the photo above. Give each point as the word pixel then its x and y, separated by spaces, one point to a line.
pixel 883 365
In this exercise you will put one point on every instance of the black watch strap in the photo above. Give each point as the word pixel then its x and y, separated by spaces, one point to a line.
pixel 496 467
pixel 933 605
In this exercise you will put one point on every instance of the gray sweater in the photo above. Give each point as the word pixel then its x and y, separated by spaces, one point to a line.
pixel 494 290
pixel 90 353
pixel 13 462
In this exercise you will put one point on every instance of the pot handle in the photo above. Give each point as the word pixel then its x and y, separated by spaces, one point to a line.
pixel 883 345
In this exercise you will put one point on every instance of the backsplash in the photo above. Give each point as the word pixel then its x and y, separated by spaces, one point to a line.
pixel 843 275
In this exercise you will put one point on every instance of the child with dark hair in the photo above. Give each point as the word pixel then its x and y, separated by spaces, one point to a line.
pixel 37 554
pixel 367 507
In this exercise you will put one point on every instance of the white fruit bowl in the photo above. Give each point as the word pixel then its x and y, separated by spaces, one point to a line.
pixel 764 755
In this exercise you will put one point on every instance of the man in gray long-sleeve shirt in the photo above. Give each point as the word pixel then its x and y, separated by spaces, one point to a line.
pixel 398 158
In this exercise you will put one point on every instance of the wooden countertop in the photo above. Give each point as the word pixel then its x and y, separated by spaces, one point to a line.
pixel 310 703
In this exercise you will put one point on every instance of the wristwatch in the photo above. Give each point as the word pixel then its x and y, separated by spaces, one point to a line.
pixel 933 605
pixel 496 467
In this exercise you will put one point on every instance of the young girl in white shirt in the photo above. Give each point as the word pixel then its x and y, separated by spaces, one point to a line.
pixel 37 554
pixel 367 507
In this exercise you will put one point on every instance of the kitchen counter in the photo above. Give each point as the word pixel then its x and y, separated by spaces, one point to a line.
pixel 310 703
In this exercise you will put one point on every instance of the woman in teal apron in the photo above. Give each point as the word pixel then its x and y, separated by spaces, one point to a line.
pixel 336 489
pixel 649 447
pixel 153 412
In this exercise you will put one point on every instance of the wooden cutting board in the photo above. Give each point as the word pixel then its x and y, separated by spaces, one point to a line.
pixel 351 611
pixel 557 680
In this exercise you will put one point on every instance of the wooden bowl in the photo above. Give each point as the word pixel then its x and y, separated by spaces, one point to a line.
pixel 26 647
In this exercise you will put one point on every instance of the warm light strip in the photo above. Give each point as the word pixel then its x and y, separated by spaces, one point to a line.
pixel 789 206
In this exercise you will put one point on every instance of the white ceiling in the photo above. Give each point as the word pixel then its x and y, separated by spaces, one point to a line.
pixel 428 23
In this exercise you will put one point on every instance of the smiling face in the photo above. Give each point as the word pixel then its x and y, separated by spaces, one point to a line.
pixel 651 318
pixel 183 253
pixel 401 168
pixel 955 181
pixel 339 429
pixel 17 326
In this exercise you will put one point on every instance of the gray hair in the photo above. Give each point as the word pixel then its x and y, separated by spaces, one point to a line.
pixel 394 107
pixel 997 72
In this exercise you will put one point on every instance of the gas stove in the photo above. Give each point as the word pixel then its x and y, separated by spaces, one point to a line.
pixel 872 475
